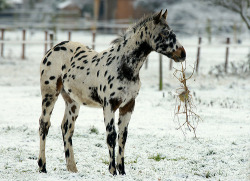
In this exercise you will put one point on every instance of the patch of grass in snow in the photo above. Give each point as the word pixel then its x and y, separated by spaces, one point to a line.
pixel 132 161
pixel 211 152
pixel 193 162
pixel 8 128
pixel 6 166
pixel 106 162
pixel 19 156
pixel 32 157
pixel 157 157
pixel 3 151
pixel 177 159
pixel 99 145
pixel 93 130
pixel 233 143
pixel 220 172
pixel 20 128
pixel 160 157
pixel 26 171
pixel 208 175
pixel 61 160
pixel 77 135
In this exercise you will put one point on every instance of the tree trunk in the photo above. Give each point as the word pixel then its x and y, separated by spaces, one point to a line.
pixel 245 19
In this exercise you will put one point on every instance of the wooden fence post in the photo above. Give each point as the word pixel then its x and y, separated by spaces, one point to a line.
pixel 23 44
pixel 46 43
pixel 160 72
pixel 198 55
pixel 2 44
pixel 227 53
pixel 93 39
pixel 51 38
pixel 69 35
pixel 170 64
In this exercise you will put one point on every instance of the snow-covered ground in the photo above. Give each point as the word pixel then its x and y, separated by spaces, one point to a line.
pixel 222 151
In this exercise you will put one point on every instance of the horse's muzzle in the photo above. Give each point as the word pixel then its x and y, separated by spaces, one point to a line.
pixel 179 55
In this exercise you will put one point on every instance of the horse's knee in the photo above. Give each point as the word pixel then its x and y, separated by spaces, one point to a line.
pixel 111 139
pixel 44 128
pixel 64 127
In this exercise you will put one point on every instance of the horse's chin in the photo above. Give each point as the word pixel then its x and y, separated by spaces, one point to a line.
pixel 169 55
pixel 179 60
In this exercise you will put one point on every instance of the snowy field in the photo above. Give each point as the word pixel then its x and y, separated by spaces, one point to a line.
pixel 222 151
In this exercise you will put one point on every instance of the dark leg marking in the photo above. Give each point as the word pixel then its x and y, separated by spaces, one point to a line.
pixel 129 107
pixel 67 153
pixel 42 166
pixel 115 103
pixel 73 108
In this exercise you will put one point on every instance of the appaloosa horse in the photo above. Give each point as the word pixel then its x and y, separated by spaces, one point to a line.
pixel 108 80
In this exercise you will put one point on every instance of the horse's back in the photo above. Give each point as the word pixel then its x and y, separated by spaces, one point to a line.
pixel 63 57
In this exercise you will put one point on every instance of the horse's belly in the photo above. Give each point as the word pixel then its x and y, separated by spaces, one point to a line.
pixel 85 100
pixel 82 96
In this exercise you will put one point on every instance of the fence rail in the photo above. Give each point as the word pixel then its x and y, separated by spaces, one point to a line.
pixel 40 42
pixel 49 42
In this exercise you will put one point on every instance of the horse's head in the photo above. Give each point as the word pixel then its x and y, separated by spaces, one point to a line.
pixel 163 40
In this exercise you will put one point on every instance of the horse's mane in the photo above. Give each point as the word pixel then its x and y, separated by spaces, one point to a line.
pixel 132 29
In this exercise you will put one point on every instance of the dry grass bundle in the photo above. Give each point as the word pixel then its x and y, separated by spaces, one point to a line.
pixel 184 103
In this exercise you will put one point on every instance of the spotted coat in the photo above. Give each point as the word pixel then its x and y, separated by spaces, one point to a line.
pixel 108 80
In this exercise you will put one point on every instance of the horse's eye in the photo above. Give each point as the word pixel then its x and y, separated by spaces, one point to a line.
pixel 165 34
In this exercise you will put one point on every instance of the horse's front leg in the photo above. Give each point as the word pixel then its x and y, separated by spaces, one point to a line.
pixel 109 120
pixel 124 118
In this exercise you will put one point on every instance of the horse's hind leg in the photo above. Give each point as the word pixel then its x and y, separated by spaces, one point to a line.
pixel 50 94
pixel 68 125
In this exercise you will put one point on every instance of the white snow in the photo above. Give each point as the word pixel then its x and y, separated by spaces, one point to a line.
pixel 15 1
pixel 64 4
pixel 221 152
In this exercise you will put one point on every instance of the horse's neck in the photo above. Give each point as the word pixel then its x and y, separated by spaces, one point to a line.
pixel 135 51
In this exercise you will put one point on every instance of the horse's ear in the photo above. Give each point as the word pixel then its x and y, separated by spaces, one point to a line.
pixel 158 17
pixel 165 14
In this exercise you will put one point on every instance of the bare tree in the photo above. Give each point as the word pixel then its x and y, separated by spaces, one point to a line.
pixel 3 5
pixel 242 7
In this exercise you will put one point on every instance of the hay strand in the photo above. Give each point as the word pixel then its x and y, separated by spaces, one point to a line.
pixel 184 102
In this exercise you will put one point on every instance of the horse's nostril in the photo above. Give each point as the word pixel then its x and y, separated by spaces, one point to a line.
pixel 183 54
